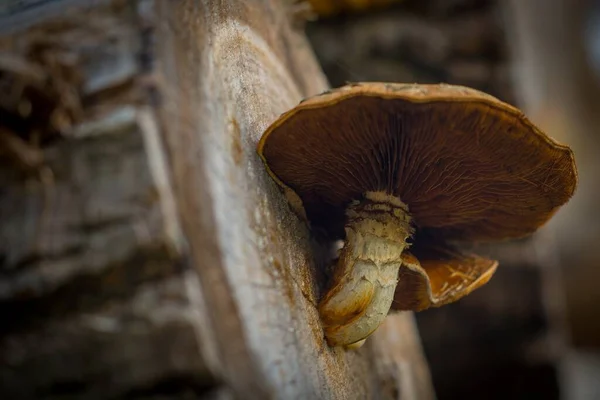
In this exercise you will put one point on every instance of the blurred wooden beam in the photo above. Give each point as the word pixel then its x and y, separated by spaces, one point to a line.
pixel 560 92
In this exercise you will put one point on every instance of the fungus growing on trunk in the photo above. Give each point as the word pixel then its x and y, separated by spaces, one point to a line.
pixel 377 164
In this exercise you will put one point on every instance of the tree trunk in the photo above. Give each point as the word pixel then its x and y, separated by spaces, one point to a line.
pixel 148 252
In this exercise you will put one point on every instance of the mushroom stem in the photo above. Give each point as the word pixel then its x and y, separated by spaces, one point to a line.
pixel 366 274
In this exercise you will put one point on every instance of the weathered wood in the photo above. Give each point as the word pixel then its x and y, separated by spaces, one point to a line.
pixel 160 258
pixel 398 360
pixel 96 292
pixel 233 67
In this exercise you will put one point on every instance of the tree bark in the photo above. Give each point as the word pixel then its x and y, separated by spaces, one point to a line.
pixel 160 258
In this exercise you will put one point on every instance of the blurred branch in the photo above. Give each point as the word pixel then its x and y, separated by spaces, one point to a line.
pixel 559 92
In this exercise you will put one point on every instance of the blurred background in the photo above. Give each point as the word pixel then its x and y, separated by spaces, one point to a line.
pixel 534 330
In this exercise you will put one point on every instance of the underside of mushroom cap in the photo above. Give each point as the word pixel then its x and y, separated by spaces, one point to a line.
pixel 469 166
pixel 435 273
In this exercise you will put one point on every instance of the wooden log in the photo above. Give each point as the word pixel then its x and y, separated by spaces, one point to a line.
pixel 252 254
pixel 160 258
pixel 96 294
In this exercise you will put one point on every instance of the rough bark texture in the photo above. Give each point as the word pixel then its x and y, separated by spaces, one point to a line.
pixel 498 340
pixel 148 254
pixel 252 254
pixel 96 295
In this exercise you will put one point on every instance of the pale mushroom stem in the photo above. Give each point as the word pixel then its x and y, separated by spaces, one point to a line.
pixel 366 274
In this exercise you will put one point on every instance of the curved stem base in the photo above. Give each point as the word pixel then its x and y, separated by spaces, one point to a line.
pixel 366 274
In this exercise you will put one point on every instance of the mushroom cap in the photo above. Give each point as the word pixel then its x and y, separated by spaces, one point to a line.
pixel 434 274
pixel 469 167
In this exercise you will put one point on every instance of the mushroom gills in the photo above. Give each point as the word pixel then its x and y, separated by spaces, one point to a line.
pixel 366 273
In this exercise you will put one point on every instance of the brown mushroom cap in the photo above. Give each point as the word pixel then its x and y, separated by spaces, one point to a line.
pixel 434 274
pixel 468 166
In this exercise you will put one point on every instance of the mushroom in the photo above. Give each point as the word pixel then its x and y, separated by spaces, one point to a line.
pixel 391 167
